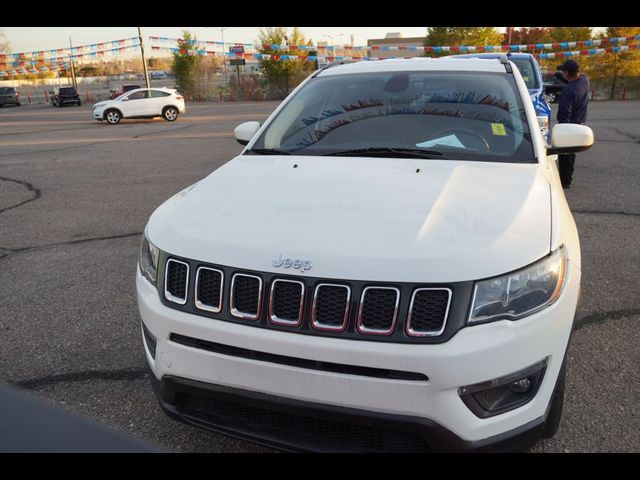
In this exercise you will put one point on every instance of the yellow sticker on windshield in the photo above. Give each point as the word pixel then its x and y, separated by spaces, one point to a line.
pixel 498 129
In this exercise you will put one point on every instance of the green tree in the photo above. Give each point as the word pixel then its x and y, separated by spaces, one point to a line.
pixel 185 63
pixel 527 35
pixel 456 36
pixel 283 75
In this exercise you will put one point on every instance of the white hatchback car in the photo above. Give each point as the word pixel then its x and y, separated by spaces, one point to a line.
pixel 141 103
pixel 390 264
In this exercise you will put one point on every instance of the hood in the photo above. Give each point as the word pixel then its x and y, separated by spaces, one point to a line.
pixel 101 104
pixel 362 218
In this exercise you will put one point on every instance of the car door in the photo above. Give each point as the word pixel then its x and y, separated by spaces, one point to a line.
pixel 159 99
pixel 136 104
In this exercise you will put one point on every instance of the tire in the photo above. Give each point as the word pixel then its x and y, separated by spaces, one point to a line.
pixel 113 117
pixel 552 97
pixel 18 104
pixel 170 114
pixel 552 424
pixel 79 103
pixel 60 104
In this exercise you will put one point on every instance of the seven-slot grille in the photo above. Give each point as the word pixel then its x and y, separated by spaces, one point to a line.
pixel 428 311
pixel 176 281
pixel 375 311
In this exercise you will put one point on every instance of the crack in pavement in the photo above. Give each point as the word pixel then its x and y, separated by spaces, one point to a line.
pixel 605 212
pixel 30 188
pixel 628 135
pixel 52 379
pixel 601 317
pixel 59 244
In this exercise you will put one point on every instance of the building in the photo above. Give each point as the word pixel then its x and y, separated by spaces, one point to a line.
pixel 395 45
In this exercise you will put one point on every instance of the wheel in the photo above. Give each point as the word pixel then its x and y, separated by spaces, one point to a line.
pixel 472 133
pixel 18 104
pixel 60 104
pixel 552 423
pixel 113 117
pixel 170 114
pixel 551 97
pixel 79 103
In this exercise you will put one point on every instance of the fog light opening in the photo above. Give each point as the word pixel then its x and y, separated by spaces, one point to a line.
pixel 504 394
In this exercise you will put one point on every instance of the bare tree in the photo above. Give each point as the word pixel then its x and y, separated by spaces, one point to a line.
pixel 4 43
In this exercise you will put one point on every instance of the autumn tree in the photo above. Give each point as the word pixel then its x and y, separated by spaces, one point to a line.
pixel 284 75
pixel 456 36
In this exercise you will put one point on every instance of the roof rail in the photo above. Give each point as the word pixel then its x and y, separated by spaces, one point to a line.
pixel 505 61
pixel 332 64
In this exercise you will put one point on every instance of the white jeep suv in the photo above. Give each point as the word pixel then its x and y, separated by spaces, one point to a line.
pixel 141 103
pixel 389 265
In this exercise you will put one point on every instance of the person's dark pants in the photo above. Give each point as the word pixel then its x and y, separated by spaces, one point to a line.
pixel 565 167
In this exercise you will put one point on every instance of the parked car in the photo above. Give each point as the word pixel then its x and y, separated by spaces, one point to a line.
pixel 532 76
pixel 9 96
pixel 141 103
pixel 554 83
pixel 125 88
pixel 64 95
pixel 389 264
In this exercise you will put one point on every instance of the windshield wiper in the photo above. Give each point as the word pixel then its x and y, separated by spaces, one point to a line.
pixel 398 152
pixel 267 151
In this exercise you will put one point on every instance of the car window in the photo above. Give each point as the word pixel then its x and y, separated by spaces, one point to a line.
pixel 6 90
pixel 463 115
pixel 139 95
pixel 68 91
pixel 158 94
pixel 527 70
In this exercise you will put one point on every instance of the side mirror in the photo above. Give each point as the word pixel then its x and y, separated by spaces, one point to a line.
pixel 245 132
pixel 570 138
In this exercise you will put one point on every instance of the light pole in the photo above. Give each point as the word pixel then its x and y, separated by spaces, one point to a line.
pixel 332 38
pixel 144 62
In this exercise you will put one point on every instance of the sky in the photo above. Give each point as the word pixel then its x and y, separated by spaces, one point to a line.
pixel 28 39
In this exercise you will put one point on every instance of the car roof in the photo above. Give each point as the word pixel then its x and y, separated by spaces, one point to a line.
pixel 414 64
pixel 492 55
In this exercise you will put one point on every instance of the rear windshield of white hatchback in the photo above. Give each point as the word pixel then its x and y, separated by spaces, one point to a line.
pixel 473 116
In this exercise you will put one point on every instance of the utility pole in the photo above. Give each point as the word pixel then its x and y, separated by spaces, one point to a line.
pixel 144 62
pixel 73 70
pixel 224 53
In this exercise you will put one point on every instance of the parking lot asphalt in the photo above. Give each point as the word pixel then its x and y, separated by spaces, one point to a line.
pixel 75 195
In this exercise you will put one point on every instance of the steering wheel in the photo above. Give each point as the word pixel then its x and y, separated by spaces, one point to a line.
pixel 453 130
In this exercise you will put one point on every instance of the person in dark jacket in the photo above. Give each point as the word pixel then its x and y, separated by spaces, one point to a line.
pixel 572 108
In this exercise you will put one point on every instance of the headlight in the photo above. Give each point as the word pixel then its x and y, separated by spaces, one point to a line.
pixel 149 255
pixel 543 123
pixel 520 293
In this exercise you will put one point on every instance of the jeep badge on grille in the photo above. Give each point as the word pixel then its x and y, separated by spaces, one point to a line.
pixel 297 263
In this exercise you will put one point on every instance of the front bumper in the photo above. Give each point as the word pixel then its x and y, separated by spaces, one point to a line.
pixel 432 410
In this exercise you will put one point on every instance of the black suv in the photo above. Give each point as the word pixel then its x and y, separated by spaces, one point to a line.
pixel 9 96
pixel 553 83
pixel 62 95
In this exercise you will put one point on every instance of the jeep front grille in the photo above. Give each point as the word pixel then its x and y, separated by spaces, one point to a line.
pixel 350 309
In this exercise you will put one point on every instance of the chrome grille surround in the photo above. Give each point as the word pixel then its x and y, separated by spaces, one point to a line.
pixel 167 294
pixel 245 315
pixel 282 321
pixel 203 306
pixel 372 331
pixel 413 333
pixel 326 327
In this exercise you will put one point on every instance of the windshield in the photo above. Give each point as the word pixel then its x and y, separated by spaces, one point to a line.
pixel 6 90
pixel 449 115
pixel 527 71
